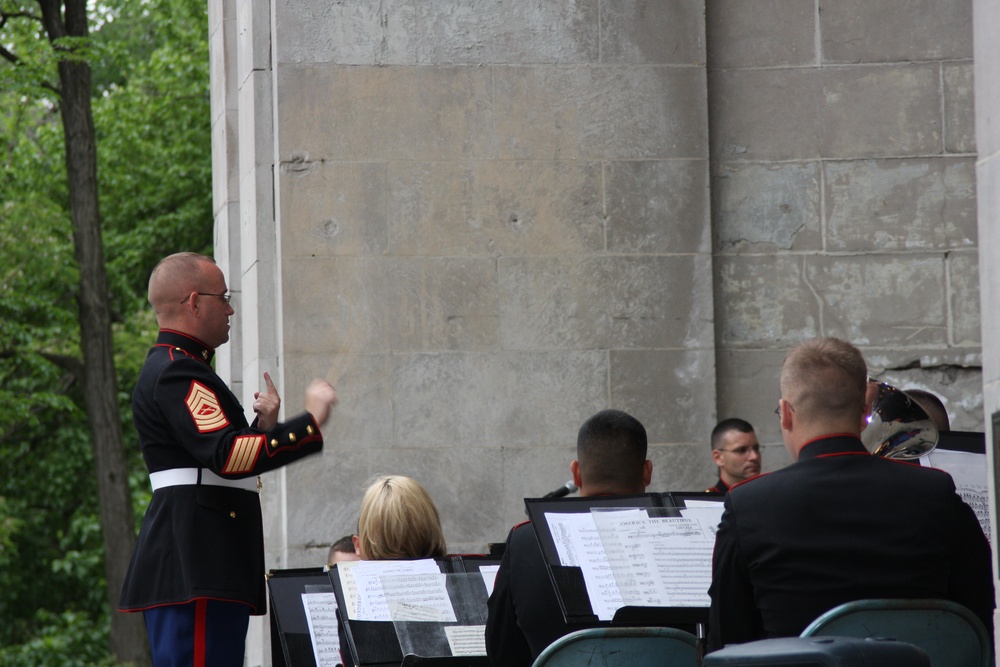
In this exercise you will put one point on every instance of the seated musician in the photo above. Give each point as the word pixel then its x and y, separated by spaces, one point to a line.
pixel 398 521
pixel 735 451
pixel 524 613
pixel 838 524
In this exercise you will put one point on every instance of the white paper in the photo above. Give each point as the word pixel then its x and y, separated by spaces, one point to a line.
pixel 417 597
pixel 364 596
pixel 489 574
pixel 579 544
pixel 971 480
pixel 710 514
pixel 321 616
pixel 466 639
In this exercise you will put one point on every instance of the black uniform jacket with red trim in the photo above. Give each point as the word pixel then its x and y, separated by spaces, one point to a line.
pixel 200 540
pixel 841 525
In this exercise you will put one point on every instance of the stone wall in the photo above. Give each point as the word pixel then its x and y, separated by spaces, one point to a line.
pixel 484 221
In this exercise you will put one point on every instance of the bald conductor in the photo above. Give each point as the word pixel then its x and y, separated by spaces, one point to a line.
pixel 197 572
pixel 838 524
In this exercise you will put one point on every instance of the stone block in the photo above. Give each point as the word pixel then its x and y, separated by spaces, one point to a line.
pixel 532 471
pixel 485 401
pixel 605 302
pixel 446 303
pixel 336 304
pixel 763 33
pixel 988 184
pixel 332 208
pixel 898 300
pixel 749 388
pixel 963 297
pixel 345 33
pixel 362 417
pixel 494 208
pixel 379 113
pixel 959 108
pixel 686 467
pixel 835 112
pixel 257 234
pixel 651 33
pixel 609 112
pixel 767 206
pixel 256 129
pixel 908 204
pixel 253 39
pixel 987 83
pixel 657 206
pixel 671 392
pixel 860 31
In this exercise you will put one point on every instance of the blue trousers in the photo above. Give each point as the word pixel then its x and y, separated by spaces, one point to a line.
pixel 201 633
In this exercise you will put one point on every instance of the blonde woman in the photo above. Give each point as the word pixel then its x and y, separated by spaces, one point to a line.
pixel 398 521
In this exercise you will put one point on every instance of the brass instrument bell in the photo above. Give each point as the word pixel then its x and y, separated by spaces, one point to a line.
pixel 899 428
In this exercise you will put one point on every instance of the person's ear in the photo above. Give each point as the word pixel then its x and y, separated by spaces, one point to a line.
pixel 574 468
pixel 717 457
pixel 787 413
pixel 647 473
pixel 357 544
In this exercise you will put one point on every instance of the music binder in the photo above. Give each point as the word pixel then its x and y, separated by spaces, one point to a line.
pixel 408 642
pixel 291 643
pixel 569 581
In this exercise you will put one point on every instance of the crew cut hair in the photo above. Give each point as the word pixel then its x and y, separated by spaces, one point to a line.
pixel 727 425
pixel 825 378
pixel 611 449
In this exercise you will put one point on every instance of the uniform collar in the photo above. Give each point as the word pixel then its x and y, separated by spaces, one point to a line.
pixel 829 445
pixel 189 344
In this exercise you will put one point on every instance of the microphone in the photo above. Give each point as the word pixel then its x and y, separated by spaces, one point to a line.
pixel 564 490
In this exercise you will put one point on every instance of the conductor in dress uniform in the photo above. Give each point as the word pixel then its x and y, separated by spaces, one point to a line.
pixel 197 572
pixel 838 524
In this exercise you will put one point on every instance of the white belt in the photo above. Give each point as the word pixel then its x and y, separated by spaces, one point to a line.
pixel 188 476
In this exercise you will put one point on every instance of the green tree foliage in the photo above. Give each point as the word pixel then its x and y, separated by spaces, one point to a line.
pixel 151 112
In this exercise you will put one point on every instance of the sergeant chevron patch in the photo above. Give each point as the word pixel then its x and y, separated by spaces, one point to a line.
pixel 244 454
pixel 204 407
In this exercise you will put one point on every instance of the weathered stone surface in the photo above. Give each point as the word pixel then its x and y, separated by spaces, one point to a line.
pixel 959 108
pixel 657 206
pixel 749 388
pixel 835 112
pixel 907 204
pixel 895 30
pixel 494 208
pixel 763 33
pixel 640 32
pixel 988 181
pixel 532 471
pixel 606 302
pixel 669 391
pixel 330 209
pixel 613 112
pixel 378 113
pixel 767 206
pixel 987 92
pixel 486 401
pixel 686 467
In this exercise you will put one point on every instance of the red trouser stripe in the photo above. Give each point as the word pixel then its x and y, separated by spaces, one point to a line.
pixel 200 623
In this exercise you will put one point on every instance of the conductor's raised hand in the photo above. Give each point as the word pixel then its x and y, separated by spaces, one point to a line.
pixel 266 404
pixel 320 399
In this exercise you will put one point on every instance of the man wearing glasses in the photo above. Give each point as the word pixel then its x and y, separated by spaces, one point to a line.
pixel 736 451
pixel 197 572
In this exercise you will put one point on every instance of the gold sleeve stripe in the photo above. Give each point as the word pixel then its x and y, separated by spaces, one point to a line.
pixel 243 456
pixel 204 407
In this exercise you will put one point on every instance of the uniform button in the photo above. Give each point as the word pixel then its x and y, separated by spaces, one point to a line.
pixel 274 443
pixel 310 430
pixel 232 515
pixel 291 437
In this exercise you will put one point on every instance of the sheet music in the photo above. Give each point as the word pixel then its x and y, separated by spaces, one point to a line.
pixel 489 573
pixel 364 596
pixel 466 639
pixel 708 513
pixel 321 616
pixel 417 597
pixel 579 544
pixel 662 561
pixel 971 480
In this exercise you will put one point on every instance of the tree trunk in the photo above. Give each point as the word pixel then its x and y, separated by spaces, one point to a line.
pixel 128 638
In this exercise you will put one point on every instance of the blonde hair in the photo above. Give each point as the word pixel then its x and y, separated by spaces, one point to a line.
pixel 825 378
pixel 399 521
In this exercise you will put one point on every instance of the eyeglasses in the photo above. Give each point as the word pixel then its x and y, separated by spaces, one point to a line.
pixel 743 451
pixel 227 298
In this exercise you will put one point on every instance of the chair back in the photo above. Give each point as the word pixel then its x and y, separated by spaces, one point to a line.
pixel 622 647
pixel 950 634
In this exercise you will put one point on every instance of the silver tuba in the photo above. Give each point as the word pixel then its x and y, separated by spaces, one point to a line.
pixel 899 428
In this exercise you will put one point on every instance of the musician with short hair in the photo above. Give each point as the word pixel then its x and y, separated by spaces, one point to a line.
pixel 524 613
pixel 838 524
pixel 736 451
